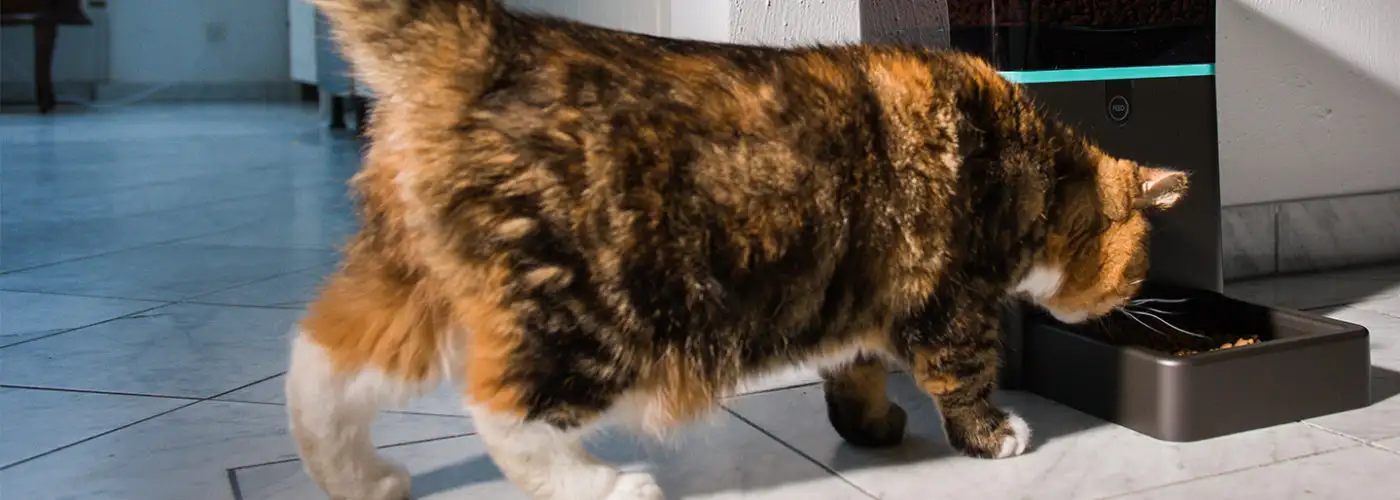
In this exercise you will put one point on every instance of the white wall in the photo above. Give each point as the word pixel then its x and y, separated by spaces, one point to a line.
pixel 148 41
pixel 1309 98
pixel 794 22
pixel 706 20
pixel 641 16
pixel 177 41
pixel 301 40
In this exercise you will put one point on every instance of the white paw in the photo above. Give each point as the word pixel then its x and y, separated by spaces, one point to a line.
pixel 1015 443
pixel 394 483
pixel 635 486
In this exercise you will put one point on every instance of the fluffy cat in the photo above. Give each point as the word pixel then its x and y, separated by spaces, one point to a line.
pixel 581 226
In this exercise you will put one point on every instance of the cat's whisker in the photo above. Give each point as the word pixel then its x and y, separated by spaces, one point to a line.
pixel 1170 325
pixel 1129 315
pixel 1158 311
pixel 1156 301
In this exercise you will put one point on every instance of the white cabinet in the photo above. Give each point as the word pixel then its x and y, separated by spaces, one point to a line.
pixel 301 18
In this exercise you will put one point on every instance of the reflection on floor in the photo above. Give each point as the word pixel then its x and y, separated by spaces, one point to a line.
pixel 155 257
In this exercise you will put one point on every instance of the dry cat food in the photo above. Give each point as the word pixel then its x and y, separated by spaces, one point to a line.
pixel 1122 330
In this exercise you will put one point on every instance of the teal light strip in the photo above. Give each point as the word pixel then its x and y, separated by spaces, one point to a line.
pixel 1095 74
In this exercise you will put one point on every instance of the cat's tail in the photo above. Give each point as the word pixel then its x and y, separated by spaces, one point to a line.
pixel 418 50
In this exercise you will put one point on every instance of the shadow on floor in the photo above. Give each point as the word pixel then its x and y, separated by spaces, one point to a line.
pixel 1385 384
pixel 685 471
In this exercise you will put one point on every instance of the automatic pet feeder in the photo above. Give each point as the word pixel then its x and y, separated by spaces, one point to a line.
pixel 1140 81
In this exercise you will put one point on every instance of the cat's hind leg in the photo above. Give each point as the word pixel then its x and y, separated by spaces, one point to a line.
pixel 365 344
pixel 533 402
pixel 550 462
pixel 330 415
pixel 857 405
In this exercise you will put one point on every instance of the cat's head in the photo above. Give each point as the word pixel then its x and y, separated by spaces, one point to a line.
pixel 1095 254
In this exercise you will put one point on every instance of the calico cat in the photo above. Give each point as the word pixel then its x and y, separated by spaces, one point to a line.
pixel 582 226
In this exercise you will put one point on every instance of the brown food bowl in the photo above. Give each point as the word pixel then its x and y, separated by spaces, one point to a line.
pixel 1174 386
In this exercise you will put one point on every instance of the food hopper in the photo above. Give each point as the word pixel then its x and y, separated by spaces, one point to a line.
pixel 1140 80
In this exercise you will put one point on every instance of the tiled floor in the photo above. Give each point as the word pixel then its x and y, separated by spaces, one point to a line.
pixel 154 258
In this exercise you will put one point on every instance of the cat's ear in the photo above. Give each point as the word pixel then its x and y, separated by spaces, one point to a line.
pixel 1161 188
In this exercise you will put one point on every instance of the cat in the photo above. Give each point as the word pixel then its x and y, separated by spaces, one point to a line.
pixel 584 227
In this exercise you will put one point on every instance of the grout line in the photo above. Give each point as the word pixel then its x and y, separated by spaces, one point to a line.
pixel 460 416
pixel 131 315
pixel 1333 432
pixel 1226 473
pixel 192 402
pixel 426 440
pixel 98 435
pixel 233 484
pixel 1322 272
pixel 1277 237
pixel 799 453
pixel 774 389
pixel 234 470
pixel 192 300
pixel 81 295
pixel 1279 203
pixel 143 245
pixel 291 307
pixel 92 391
pixel 1377 445
pixel 215 398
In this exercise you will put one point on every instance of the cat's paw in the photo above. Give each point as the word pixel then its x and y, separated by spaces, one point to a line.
pixel 392 482
pixel 852 422
pixel 1011 437
pixel 1016 441
pixel 636 486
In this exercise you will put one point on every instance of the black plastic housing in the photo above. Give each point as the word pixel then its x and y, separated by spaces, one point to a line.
pixel 1306 366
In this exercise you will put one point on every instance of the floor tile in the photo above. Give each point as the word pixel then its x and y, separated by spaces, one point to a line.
pixel 1378 421
pixel 1381 419
pixel 144 199
pixel 1389 304
pixel 24 316
pixel 781 380
pixel 724 460
pixel 164 272
pixel 1356 473
pixel 36 422
pixel 444 401
pixel 1073 456
pixel 38 243
pixel 291 291
pixel 1392 444
pixel 1315 291
pixel 320 218
pixel 1384 330
pixel 182 350
pixel 186 454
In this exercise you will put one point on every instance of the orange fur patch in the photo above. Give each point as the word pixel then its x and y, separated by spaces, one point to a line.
pixel 367 318
pixel 901 80
pixel 493 335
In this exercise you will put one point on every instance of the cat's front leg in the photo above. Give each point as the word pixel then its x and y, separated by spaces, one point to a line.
pixel 857 405
pixel 959 371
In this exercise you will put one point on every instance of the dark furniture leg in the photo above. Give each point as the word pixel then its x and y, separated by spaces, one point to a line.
pixel 45 36
pixel 332 110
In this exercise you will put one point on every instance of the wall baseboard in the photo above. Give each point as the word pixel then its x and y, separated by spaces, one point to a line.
pixel 23 92
pixel 1310 235
pixel 202 91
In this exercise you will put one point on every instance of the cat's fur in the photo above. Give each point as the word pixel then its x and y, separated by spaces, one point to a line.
pixel 576 223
